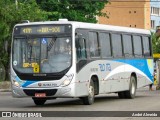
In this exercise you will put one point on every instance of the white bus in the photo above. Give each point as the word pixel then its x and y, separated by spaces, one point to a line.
pixel 79 60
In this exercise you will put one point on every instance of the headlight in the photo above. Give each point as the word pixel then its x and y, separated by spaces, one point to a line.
pixel 67 81
pixel 16 83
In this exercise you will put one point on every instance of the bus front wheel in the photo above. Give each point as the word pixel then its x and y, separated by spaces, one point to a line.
pixel 88 100
pixel 39 101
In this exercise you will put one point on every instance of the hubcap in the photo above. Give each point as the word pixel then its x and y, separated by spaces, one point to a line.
pixel 91 92
pixel 133 88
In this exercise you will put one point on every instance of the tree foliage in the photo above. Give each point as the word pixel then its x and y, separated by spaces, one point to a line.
pixel 10 14
pixel 155 43
pixel 73 10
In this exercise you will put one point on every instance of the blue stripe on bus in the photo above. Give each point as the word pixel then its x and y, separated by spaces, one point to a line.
pixel 142 65
pixel 28 83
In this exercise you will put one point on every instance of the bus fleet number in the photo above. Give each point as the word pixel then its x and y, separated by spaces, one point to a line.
pixel 105 67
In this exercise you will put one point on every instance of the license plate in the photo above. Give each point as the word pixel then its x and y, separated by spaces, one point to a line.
pixel 40 94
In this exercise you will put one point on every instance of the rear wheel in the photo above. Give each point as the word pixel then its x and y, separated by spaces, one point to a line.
pixel 88 100
pixel 132 88
pixel 39 101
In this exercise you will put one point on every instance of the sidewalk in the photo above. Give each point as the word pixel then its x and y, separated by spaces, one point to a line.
pixel 147 88
pixel 5 86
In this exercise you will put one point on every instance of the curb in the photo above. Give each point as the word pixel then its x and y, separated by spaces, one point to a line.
pixel 5 90
pixel 5 86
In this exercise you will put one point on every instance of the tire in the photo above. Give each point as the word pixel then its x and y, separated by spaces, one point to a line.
pixel 88 100
pixel 39 101
pixel 132 88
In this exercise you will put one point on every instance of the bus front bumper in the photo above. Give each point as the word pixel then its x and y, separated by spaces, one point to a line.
pixel 49 92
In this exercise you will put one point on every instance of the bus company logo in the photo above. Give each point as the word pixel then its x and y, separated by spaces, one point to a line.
pixel 39 84
pixel 6 114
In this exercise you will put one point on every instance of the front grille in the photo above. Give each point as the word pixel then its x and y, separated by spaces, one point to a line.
pixel 49 92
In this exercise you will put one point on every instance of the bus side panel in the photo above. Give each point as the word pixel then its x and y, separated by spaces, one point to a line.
pixel 109 73
pixel 114 75
pixel 142 68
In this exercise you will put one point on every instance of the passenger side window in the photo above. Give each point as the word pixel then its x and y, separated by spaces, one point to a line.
pixel 81 48
pixel 127 45
pixel 137 43
pixel 94 45
pixel 105 44
pixel 146 47
pixel 116 45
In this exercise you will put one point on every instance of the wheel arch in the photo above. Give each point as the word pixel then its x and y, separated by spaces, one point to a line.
pixel 96 83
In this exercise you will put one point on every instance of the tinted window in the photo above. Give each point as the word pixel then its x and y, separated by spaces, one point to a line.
pixel 146 46
pixel 81 49
pixel 94 45
pixel 137 46
pixel 127 45
pixel 116 45
pixel 104 39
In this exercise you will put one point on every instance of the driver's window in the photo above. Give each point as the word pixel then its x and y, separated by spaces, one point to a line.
pixel 81 48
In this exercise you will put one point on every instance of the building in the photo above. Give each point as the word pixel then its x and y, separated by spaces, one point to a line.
pixel 129 13
pixel 155 14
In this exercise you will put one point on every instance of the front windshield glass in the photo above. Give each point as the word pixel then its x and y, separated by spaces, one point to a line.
pixel 41 55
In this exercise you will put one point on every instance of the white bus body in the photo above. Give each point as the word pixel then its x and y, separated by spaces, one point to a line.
pixel 34 74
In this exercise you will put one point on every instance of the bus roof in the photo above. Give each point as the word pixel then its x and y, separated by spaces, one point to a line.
pixel 91 26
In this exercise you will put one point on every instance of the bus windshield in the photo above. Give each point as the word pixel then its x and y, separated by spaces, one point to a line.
pixel 41 54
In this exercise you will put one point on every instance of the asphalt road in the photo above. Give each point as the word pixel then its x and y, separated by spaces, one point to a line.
pixel 145 101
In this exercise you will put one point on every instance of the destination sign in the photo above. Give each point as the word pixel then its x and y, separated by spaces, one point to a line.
pixel 44 29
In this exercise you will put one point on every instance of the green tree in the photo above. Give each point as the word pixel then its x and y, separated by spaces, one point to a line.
pixel 73 10
pixel 10 14
pixel 4 28
pixel 155 42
